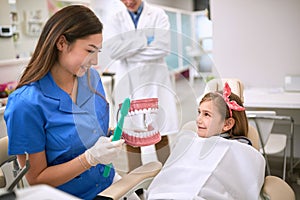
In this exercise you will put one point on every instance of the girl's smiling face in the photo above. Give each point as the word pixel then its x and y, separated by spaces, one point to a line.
pixel 209 121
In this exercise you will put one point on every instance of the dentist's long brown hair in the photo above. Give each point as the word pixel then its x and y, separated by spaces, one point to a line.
pixel 73 22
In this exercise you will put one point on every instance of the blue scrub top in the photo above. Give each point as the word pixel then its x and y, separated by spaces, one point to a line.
pixel 42 117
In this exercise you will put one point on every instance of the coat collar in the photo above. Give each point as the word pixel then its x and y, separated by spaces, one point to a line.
pixel 145 16
pixel 50 89
pixel 143 20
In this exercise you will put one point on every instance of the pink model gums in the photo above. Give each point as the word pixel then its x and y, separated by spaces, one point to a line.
pixel 140 127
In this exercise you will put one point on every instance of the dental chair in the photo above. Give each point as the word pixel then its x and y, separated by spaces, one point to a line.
pixel 274 188
pixel 3 159
pixel 6 159
pixel 139 178
pixel 235 84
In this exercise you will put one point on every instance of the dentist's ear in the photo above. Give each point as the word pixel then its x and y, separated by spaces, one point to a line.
pixel 61 42
pixel 229 123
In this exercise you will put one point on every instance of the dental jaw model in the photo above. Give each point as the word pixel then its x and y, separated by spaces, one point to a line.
pixel 140 127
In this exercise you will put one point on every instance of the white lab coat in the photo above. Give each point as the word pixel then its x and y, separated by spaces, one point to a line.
pixel 141 71
pixel 209 168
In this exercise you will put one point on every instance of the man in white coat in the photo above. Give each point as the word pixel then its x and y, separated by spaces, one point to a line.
pixel 139 44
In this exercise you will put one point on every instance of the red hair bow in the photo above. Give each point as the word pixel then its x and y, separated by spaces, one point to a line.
pixel 233 105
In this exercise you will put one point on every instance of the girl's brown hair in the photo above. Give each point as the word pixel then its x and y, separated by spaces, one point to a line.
pixel 73 22
pixel 240 127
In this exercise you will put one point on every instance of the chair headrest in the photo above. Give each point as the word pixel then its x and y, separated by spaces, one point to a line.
pixel 235 84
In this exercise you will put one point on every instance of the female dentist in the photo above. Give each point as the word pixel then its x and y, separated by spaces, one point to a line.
pixel 59 114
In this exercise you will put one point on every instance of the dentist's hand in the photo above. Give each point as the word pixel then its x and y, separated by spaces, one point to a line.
pixel 104 151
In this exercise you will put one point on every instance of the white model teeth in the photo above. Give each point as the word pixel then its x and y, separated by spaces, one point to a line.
pixel 145 134
pixel 142 111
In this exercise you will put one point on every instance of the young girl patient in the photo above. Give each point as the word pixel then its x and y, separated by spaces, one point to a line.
pixel 217 162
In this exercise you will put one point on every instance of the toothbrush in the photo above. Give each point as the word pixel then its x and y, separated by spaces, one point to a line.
pixel 118 131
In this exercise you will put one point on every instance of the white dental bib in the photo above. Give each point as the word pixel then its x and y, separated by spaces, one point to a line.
pixel 209 168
